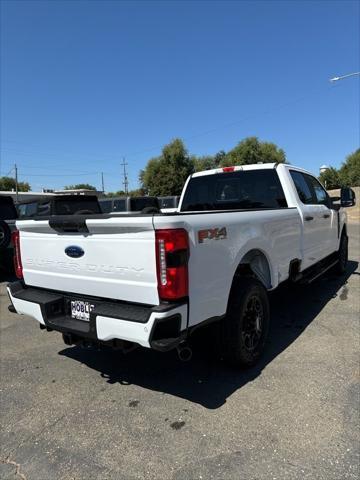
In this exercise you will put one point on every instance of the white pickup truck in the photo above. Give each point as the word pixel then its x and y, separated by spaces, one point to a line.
pixel 152 279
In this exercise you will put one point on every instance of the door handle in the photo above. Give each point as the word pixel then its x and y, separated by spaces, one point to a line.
pixel 327 215
pixel 309 218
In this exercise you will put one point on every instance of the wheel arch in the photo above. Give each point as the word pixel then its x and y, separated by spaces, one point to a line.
pixel 256 263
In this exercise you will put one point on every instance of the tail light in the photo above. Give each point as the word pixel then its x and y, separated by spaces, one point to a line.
pixel 15 237
pixel 172 254
pixel 228 169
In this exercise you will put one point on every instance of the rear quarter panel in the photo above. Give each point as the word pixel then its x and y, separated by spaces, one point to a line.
pixel 213 263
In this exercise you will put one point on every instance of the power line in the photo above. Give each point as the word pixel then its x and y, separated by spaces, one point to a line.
pixel 59 175
pixel 9 172
pixel 203 133
pixel 42 167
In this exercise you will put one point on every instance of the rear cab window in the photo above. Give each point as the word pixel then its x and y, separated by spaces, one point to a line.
pixel 248 189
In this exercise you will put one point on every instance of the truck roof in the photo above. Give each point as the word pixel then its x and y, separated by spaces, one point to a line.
pixel 254 166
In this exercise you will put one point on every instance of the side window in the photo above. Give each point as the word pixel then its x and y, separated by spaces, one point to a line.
pixel 120 205
pixel 31 209
pixel 21 210
pixel 320 194
pixel 302 187
pixel 106 206
pixel 44 208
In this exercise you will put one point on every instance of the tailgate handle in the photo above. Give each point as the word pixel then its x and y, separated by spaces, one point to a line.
pixel 74 225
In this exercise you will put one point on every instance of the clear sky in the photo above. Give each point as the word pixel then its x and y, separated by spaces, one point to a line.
pixel 84 83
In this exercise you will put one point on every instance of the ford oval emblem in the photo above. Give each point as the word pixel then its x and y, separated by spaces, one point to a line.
pixel 74 251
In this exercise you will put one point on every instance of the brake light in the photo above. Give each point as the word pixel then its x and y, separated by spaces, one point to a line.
pixel 172 254
pixel 15 237
pixel 228 169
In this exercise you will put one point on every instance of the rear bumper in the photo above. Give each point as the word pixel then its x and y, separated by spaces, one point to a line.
pixel 160 327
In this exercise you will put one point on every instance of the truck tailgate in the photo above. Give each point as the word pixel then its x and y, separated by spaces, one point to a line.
pixel 118 259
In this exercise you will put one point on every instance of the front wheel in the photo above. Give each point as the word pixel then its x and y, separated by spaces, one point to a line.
pixel 342 254
pixel 246 325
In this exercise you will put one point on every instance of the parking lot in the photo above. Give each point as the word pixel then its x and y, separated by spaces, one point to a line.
pixel 72 413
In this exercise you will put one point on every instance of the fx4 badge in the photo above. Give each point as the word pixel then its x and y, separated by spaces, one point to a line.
pixel 212 234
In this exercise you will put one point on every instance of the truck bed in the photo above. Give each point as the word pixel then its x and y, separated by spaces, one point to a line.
pixel 119 260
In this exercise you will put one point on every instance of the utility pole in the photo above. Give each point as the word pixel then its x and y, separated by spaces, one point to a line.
pixel 126 181
pixel 102 182
pixel 16 184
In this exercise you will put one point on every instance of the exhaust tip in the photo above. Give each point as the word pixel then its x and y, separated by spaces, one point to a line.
pixel 12 309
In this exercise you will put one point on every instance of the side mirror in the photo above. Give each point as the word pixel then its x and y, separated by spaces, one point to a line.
pixel 347 197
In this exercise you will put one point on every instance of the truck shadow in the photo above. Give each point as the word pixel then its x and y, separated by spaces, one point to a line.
pixel 206 380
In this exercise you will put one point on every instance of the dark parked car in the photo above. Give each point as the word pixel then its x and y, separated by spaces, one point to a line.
pixel 59 205
pixel 170 202
pixel 8 216
pixel 129 205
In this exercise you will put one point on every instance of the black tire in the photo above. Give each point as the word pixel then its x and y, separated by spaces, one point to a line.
pixel 343 255
pixel 5 234
pixel 246 325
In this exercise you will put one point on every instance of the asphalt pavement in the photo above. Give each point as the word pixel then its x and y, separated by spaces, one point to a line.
pixel 71 413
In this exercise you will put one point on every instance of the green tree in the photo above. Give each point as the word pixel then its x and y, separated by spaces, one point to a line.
pixel 207 162
pixel 119 193
pixel 219 158
pixel 139 192
pixel 8 184
pixel 166 174
pixel 252 150
pixel 350 170
pixel 150 176
pixel 330 178
pixel 79 186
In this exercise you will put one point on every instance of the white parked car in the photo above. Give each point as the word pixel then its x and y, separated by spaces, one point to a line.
pixel 151 279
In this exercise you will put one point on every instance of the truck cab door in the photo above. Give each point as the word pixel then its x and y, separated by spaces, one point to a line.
pixel 327 216
pixel 319 221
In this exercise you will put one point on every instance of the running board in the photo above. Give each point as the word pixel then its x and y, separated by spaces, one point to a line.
pixel 322 272
pixel 314 272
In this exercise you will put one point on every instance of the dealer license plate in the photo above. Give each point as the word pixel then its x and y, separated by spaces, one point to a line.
pixel 81 310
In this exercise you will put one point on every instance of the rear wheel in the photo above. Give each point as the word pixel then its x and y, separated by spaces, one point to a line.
pixel 341 265
pixel 246 325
